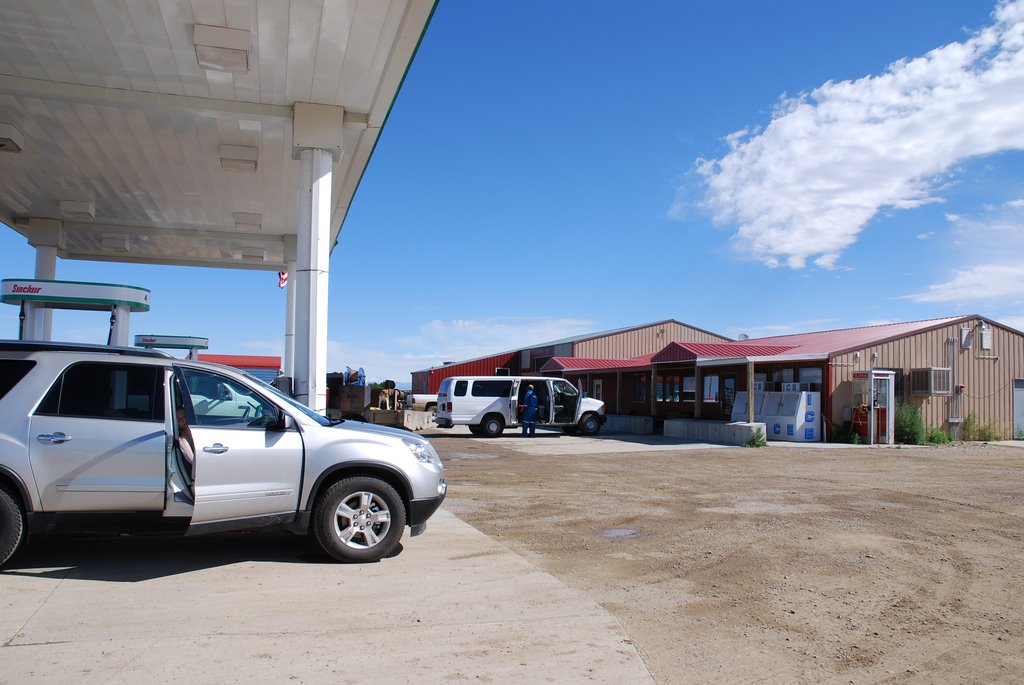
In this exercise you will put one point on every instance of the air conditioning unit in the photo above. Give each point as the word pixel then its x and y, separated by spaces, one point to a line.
pixel 502 371
pixel 931 380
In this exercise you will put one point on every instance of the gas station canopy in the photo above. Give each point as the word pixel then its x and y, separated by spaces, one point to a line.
pixel 163 131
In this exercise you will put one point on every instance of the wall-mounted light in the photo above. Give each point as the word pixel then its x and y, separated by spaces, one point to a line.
pixel 11 139
pixel 115 243
pixel 221 49
pixel 254 253
pixel 73 209
pixel 238 157
pixel 250 223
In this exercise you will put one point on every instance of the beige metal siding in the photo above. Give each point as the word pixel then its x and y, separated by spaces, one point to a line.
pixel 987 374
pixel 644 340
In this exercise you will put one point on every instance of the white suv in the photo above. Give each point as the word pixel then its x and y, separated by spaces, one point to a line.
pixel 90 437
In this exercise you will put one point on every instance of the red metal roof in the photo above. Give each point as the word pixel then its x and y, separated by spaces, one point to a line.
pixel 820 343
pixel 688 352
pixel 844 339
pixel 590 364
pixel 243 361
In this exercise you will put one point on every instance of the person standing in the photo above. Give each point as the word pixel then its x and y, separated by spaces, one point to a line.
pixel 530 412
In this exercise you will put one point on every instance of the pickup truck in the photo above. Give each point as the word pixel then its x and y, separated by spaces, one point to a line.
pixel 421 401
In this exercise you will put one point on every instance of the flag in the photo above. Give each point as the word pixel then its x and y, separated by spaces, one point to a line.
pixel 282 279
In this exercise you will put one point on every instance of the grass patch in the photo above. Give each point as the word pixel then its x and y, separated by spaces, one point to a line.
pixel 757 439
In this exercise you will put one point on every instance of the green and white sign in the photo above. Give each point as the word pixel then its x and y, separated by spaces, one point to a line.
pixel 73 294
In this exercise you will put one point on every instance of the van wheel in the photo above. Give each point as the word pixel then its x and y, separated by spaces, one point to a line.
pixel 432 408
pixel 12 525
pixel 476 430
pixel 359 519
pixel 492 426
pixel 589 425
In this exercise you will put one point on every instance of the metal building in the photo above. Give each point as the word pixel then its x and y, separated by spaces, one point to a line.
pixel 953 369
pixel 631 341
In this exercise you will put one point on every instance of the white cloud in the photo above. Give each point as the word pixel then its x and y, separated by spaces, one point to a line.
pixel 926 236
pixel 988 251
pixel 806 185
pixel 774 329
pixel 984 283
pixel 1016 322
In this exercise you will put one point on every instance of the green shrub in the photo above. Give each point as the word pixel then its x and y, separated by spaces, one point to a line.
pixel 973 431
pixel 757 439
pixel 990 432
pixel 969 428
pixel 909 425
pixel 936 436
pixel 854 437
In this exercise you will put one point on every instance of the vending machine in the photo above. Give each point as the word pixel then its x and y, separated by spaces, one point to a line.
pixel 798 417
pixel 792 415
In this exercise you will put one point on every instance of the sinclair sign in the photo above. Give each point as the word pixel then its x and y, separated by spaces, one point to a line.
pixel 73 294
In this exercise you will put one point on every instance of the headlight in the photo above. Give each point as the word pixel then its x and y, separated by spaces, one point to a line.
pixel 421 450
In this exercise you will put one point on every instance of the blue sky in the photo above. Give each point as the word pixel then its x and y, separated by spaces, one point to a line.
pixel 558 168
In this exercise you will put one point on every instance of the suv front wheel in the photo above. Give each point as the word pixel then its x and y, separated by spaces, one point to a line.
pixel 12 525
pixel 359 519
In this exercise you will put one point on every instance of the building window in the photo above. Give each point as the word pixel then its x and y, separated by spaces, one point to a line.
pixel 689 388
pixel 811 376
pixel 667 389
pixel 639 388
pixel 710 388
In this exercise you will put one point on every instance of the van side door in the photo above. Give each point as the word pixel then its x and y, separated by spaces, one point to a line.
pixel 514 417
pixel 565 402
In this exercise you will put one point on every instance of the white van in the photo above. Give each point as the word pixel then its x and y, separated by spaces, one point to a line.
pixel 489 404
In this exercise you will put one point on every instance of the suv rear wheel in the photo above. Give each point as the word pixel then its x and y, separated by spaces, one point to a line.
pixel 12 525
pixel 359 519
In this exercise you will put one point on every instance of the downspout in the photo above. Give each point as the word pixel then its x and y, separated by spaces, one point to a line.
pixel 828 402
pixel 954 397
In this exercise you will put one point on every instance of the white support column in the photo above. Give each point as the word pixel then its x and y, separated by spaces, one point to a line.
pixel 120 335
pixel 30 328
pixel 311 279
pixel 47 236
pixel 289 314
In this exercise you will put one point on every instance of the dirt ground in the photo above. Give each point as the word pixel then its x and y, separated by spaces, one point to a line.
pixel 778 564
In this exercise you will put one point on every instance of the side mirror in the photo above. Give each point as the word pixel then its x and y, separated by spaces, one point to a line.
pixel 281 422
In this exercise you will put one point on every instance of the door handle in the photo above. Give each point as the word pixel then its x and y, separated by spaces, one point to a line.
pixel 216 448
pixel 53 438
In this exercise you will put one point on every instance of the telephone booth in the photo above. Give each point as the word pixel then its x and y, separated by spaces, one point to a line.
pixel 874 406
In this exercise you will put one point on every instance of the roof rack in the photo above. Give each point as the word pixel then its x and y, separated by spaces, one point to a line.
pixel 33 346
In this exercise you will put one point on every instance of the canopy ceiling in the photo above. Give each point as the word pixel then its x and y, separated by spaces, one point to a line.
pixel 116 118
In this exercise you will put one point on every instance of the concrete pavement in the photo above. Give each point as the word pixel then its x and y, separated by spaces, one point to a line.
pixel 452 605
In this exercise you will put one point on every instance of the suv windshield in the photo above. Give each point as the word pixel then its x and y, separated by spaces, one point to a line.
pixel 319 418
